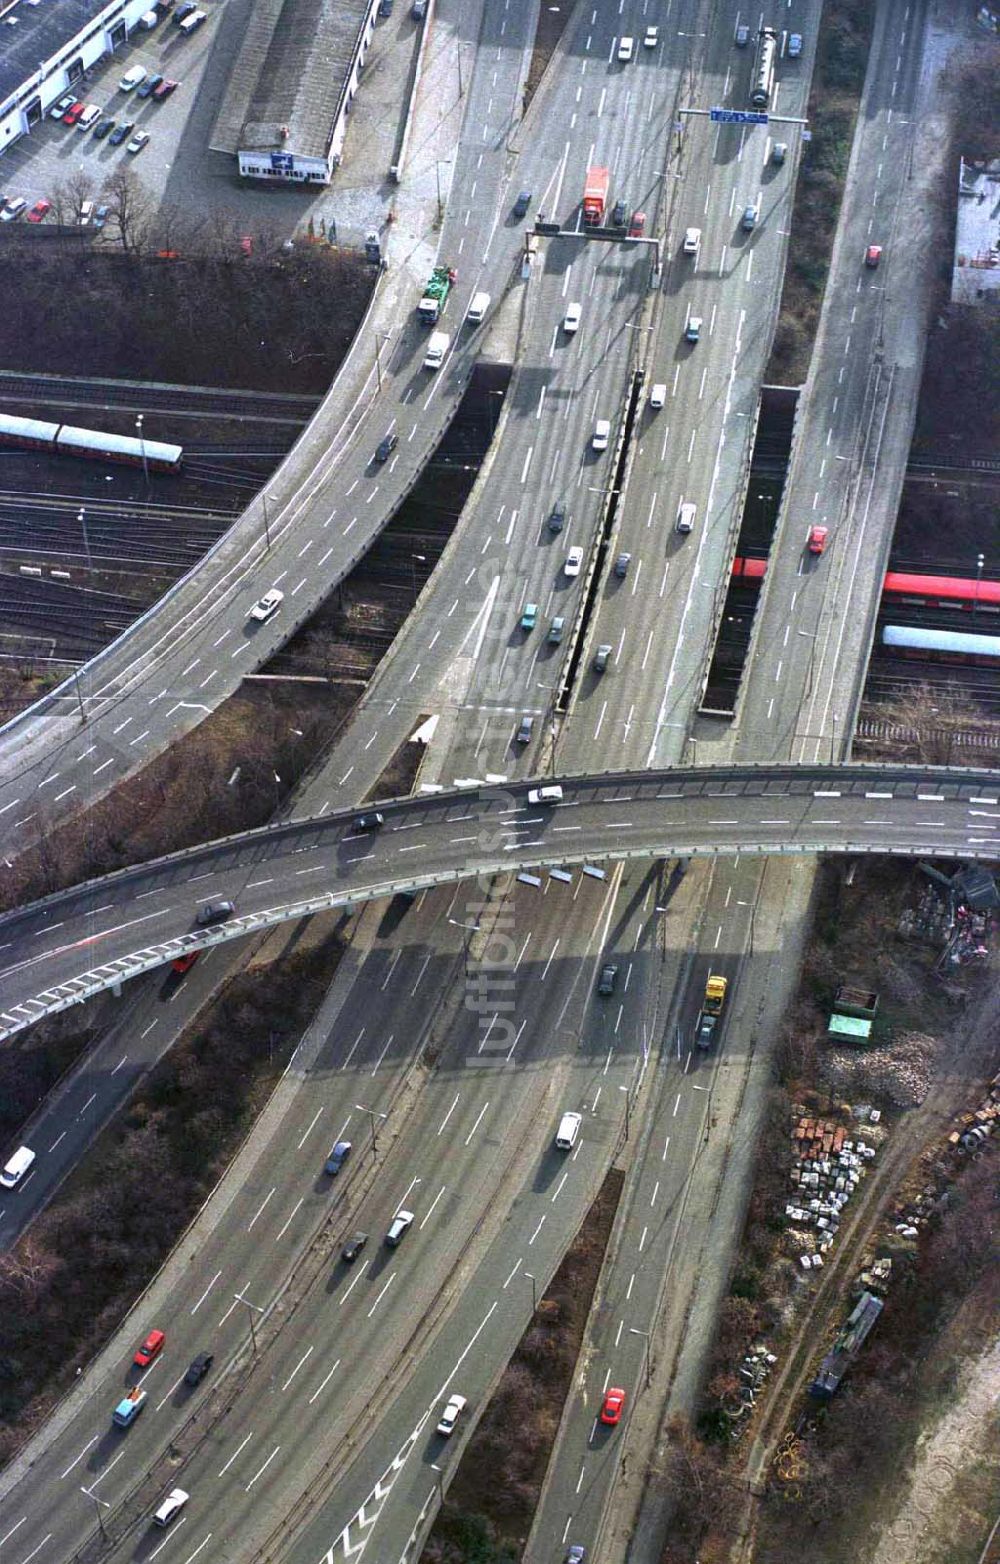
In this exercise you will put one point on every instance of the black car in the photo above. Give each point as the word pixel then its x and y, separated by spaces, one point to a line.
pixel 188 8
pixel 522 203
pixel 146 88
pixel 214 912
pixel 618 215
pixel 370 822
pixel 386 447
pixel 121 133
pixel 557 520
pixel 524 732
pixel 608 979
pixel 353 1247
pixel 199 1368
pixel 103 128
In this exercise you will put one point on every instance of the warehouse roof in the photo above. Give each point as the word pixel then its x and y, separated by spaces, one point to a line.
pixel 290 75
pixel 32 34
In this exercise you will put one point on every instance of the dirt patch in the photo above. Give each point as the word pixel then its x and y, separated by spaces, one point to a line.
pixel 493 1496
pixel 838 78
pixel 552 21
pixel 281 323
pixel 72 1278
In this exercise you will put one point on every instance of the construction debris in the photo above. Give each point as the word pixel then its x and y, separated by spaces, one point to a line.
pixel 899 1074
pixel 829 1163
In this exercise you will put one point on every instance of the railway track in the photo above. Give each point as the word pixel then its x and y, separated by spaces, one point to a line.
pixel 139 396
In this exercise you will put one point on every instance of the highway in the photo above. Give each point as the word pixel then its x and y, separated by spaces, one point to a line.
pixel 296 868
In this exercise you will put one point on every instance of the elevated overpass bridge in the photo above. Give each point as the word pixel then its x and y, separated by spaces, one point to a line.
pixel 61 950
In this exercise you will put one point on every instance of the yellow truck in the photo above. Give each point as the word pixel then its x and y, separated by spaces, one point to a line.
pixel 711 1009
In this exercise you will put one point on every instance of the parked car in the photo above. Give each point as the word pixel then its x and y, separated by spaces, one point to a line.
pixel 199 1368
pixel 385 447
pixel 121 133
pixel 612 1406
pixel 816 541
pixel 353 1247
pixel 214 912
pixel 39 211
pixel 103 128
pixel 165 88
pixel 73 113
pixel 267 606
pixel 59 109
pixel 574 561
pixel 184 10
pixel 150 1349
pixel 450 1416
pixel 525 730
pixel 608 979
pixel 133 78
pixel 401 1223
pixel 529 616
pixel 85 214
pixel 338 1156
pixel 101 216
pixel 89 118
pixel 139 140
pixel 16 207
pixel 146 88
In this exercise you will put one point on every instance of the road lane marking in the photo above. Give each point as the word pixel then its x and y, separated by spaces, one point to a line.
pixel 304 1359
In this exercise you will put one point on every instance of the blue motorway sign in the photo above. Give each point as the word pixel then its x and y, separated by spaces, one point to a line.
pixel 737 117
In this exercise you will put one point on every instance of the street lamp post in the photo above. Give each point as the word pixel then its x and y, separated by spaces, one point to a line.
pixel 414 560
pixel 811 637
pixel 833 738
pixel 97 1506
pixel 534 1293
pixel 372 1116
pixel 380 337
pixel 142 448
pixel 628 1105
pixel 267 525
pixel 470 929
pixel 980 562
pixel 252 1309
pixel 645 1336
pixel 82 519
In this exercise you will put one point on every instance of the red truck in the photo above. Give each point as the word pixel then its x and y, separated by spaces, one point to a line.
pixel 595 195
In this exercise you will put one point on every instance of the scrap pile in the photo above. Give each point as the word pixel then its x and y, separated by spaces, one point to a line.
pixel 829 1164
pixel 899 1074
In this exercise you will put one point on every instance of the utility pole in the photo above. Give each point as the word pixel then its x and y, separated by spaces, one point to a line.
pixel 97 1506
pixel 372 1116
pixel 252 1309
pixel 645 1336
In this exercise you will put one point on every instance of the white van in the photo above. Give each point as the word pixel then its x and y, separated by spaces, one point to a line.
pixel 477 309
pixel 132 79
pixel 569 1129
pixel 658 395
pixel 686 514
pixel 437 347
pixel 545 795
pixel 17 1167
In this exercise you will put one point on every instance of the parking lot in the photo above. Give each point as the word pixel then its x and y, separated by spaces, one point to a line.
pixel 177 168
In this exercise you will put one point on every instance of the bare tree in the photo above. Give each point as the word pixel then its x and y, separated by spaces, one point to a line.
pixel 131 208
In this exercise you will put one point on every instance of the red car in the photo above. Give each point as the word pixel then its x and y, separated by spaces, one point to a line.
pixel 165 88
pixel 185 963
pixel 150 1349
pixel 637 227
pixel 613 1407
pixel 873 255
pixel 246 244
pixel 816 541
pixel 39 211
pixel 73 114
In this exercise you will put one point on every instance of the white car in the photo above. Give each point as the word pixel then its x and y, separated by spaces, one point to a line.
pixel 625 49
pixel 692 241
pixel 658 395
pixel 602 434
pixel 13 209
pixel 450 1416
pixel 171 1506
pixel 132 79
pixel 574 559
pixel 401 1223
pixel 572 318
pixel 267 606
pixel 651 38
pixel 693 329
pixel 545 795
